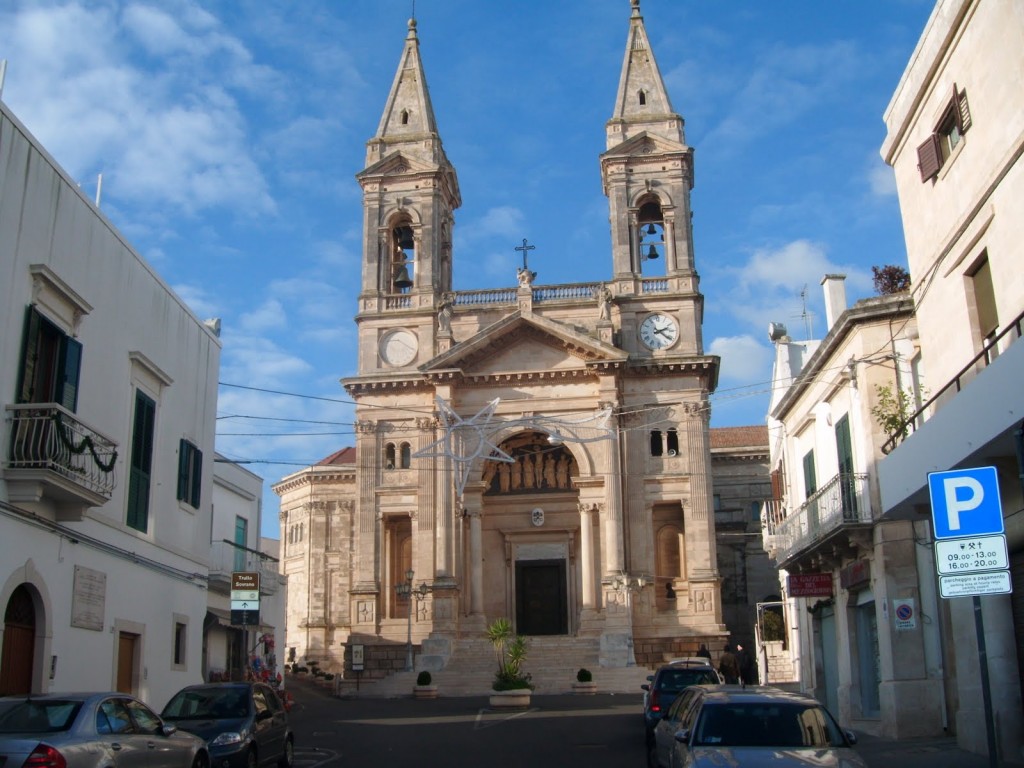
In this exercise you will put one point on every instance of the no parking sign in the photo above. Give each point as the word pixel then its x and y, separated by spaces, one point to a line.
pixel 904 613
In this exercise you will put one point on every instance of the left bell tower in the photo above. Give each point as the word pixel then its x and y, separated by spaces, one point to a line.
pixel 410 193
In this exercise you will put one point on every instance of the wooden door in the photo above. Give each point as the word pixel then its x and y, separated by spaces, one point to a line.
pixel 16 657
pixel 127 643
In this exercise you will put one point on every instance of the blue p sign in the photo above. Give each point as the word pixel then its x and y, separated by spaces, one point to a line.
pixel 965 502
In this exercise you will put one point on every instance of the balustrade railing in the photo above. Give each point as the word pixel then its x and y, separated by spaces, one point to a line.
pixel 49 437
pixel 654 285
pixel 843 500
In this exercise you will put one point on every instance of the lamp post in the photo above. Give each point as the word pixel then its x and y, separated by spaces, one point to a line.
pixel 405 590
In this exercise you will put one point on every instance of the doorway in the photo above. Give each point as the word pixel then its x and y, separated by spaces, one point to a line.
pixel 127 647
pixel 541 598
pixel 16 658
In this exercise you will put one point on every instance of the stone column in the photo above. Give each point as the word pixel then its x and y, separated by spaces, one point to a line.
pixel 476 557
pixel 613 522
pixel 587 556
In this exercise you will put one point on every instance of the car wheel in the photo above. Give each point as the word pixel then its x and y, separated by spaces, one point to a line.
pixel 250 759
pixel 201 761
pixel 288 755
pixel 652 754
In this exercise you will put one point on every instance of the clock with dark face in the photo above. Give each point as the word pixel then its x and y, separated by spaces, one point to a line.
pixel 658 331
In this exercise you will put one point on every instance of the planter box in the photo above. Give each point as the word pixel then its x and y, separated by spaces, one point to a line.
pixel 424 692
pixel 517 699
pixel 584 689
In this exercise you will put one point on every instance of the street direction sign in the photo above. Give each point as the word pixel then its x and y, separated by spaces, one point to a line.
pixel 245 594
pixel 245 618
pixel 245 605
pixel 247 580
pixel 968 584
pixel 965 502
pixel 979 553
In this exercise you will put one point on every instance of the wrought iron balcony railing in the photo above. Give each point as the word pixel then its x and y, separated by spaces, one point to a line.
pixel 843 500
pixel 226 557
pixel 47 438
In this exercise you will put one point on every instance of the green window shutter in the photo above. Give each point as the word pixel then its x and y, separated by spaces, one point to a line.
pixel 67 376
pixel 184 456
pixel 197 476
pixel 810 478
pixel 139 477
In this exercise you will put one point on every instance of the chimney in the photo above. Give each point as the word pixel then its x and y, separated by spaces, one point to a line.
pixel 835 298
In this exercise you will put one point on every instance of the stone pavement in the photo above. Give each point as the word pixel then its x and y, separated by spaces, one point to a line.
pixel 941 752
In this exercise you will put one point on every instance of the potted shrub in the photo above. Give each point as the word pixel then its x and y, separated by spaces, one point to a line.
pixel 584 684
pixel 511 686
pixel 424 688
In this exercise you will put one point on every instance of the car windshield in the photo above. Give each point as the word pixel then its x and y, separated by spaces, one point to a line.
pixel 203 703
pixel 38 716
pixel 677 679
pixel 766 724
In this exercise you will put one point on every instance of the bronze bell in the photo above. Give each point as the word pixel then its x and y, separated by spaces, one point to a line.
pixel 402 279
pixel 651 230
pixel 652 253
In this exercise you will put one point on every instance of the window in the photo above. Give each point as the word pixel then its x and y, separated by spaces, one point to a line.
pixel 940 144
pixel 673 442
pixel 50 363
pixel 642 98
pixel 389 456
pixel 716 502
pixel 810 479
pixel 241 539
pixel 180 636
pixel 656 446
pixel 140 471
pixel 844 451
pixel 190 472
pixel 986 318
pixel 406 456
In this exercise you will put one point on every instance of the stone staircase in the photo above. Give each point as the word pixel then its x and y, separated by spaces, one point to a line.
pixel 551 662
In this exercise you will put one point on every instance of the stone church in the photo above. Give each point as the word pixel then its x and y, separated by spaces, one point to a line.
pixel 534 452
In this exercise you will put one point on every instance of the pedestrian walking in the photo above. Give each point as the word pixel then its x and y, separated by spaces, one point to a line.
pixel 728 666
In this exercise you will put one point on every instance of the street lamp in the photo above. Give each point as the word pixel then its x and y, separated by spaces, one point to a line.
pixel 405 590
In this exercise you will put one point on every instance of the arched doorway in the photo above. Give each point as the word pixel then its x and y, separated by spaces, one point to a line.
pixel 16 658
pixel 531 519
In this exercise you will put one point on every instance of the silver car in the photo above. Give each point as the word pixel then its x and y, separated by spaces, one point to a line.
pixel 92 730
pixel 743 727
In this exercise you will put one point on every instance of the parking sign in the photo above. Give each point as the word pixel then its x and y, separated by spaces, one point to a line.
pixel 965 502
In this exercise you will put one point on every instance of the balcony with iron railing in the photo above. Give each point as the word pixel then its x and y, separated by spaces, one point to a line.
pixel 227 557
pixel 840 509
pixel 55 457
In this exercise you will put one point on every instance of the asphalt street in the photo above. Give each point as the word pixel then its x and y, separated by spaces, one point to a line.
pixel 598 731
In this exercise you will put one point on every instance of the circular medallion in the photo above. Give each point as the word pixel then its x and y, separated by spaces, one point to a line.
pixel 399 347
pixel 537 516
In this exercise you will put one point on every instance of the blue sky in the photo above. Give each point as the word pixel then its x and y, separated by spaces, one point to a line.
pixel 229 132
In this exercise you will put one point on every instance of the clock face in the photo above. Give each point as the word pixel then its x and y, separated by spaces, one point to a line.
pixel 659 331
pixel 399 347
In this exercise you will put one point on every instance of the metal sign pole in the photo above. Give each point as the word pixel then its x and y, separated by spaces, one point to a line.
pixel 986 691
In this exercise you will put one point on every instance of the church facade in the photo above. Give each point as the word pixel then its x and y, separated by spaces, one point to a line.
pixel 535 452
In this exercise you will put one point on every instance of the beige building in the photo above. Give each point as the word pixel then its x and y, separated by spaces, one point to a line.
pixel 594 395
pixel 955 136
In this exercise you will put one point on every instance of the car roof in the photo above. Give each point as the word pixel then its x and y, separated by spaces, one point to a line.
pixel 754 693
pixel 70 696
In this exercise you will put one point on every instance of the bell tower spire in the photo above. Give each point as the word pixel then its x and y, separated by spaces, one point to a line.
pixel 410 193
pixel 647 172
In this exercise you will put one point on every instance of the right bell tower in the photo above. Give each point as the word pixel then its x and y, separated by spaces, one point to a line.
pixel 647 174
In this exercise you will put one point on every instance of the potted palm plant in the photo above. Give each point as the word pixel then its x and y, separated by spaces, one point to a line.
pixel 511 686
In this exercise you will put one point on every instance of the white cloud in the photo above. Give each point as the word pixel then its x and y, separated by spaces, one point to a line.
pixel 198 300
pixel 744 360
pixel 881 178
pixel 269 316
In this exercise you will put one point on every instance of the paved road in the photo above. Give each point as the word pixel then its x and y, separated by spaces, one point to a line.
pixel 589 731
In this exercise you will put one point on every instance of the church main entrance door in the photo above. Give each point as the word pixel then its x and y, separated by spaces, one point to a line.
pixel 541 602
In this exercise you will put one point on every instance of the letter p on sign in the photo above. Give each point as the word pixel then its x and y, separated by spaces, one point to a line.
pixel 965 502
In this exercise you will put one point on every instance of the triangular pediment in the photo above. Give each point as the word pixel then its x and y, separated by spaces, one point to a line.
pixel 397 164
pixel 525 343
pixel 644 143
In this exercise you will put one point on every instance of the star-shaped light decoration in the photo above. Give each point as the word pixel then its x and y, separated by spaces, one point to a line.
pixel 465 440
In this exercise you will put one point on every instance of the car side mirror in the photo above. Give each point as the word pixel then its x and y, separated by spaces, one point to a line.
pixel 645 687
pixel 168 730
pixel 264 714
pixel 682 736
pixel 851 737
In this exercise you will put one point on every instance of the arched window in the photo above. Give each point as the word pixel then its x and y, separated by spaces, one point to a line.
pixel 656 444
pixel 405 117
pixel 389 456
pixel 672 437
pixel 405 456
pixel 651 237
pixel 403 259
pixel 642 98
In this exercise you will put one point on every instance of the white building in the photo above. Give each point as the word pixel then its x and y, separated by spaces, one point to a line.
pixel 955 136
pixel 875 673
pixel 231 649
pixel 109 392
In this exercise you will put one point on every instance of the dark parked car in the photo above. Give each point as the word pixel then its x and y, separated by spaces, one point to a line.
pixel 668 682
pixel 244 724
pixel 743 727
pixel 92 730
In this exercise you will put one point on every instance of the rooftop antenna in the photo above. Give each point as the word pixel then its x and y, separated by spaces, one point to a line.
pixel 805 314
pixel 99 189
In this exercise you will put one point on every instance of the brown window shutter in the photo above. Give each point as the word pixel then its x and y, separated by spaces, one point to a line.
pixel 929 157
pixel 963 112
